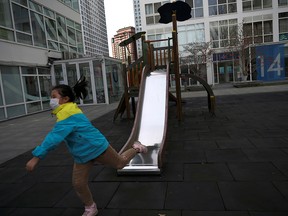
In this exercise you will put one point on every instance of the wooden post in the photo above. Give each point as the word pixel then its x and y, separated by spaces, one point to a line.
pixel 176 66
pixel 126 96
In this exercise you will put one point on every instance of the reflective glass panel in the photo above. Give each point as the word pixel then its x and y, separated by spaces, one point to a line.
pixel 31 88
pixel 45 87
pixel 15 111
pixel 33 107
pixel 97 68
pixel 38 30
pixel 61 26
pixel 11 85
pixel 85 71
pixel 5 15
pixel 6 34
pixel 51 29
pixel 21 18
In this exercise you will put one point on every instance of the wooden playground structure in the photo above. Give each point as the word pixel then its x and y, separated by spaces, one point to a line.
pixel 155 58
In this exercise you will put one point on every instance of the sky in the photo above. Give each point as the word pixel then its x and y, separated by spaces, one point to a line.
pixel 119 14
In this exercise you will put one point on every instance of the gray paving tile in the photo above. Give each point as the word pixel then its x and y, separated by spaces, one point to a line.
pixel 12 191
pixel 215 213
pixel 256 171
pixel 266 155
pixel 235 143
pixel 252 196
pixel 150 212
pixel 269 213
pixel 282 166
pixel 282 186
pixel 268 142
pixel 225 155
pixel 41 195
pixel 102 193
pixel 194 196
pixel 139 195
pixel 37 211
pixel 191 156
pixel 207 172
pixel 200 144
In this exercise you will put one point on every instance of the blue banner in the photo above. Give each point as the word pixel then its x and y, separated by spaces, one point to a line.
pixel 270 63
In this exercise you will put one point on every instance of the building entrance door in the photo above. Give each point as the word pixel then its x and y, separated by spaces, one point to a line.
pixel 225 71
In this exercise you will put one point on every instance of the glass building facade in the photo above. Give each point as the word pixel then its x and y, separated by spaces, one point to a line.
pixel 34 34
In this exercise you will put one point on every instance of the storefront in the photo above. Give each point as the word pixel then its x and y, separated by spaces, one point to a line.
pixel 25 89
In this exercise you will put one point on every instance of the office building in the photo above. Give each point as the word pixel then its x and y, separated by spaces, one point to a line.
pixel 34 34
pixel 231 33
pixel 122 52
pixel 94 27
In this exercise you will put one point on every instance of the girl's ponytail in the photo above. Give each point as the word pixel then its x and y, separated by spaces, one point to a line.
pixel 80 88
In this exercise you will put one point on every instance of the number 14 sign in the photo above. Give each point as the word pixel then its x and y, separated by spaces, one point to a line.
pixel 270 62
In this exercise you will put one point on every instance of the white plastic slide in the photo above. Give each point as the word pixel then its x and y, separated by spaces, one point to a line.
pixel 150 123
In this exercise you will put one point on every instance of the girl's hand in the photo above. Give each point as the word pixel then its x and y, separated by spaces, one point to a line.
pixel 31 164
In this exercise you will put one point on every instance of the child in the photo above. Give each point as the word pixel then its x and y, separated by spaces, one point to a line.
pixel 86 143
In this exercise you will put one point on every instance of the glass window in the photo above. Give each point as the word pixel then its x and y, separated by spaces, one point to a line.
pixel 150 20
pixel 28 70
pixel 283 27
pixel 5 15
pixel 51 29
pixel 33 107
pixel 156 7
pixel 198 3
pixel 15 111
pixel 6 34
pixel 212 2
pixel 22 2
pixel 257 4
pixel 268 27
pixel 257 27
pixel 61 27
pixel 71 74
pixel 35 6
pixel 38 30
pixel 49 13
pixel 212 10
pixel 43 71
pixel 71 36
pixel 85 71
pixel 45 87
pixel 59 78
pixel 282 2
pixel 222 9
pixel 267 3
pixel 97 68
pixel 24 38
pixel 21 18
pixel 232 8
pixel 11 85
pixel 31 88
pixel 148 9
pixel 53 45
pixel 247 6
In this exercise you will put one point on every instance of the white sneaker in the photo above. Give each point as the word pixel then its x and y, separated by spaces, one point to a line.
pixel 139 147
pixel 90 210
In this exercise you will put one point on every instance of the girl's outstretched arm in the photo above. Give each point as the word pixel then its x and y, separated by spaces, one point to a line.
pixel 31 164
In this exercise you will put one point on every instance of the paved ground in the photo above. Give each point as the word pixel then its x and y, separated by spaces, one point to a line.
pixel 235 163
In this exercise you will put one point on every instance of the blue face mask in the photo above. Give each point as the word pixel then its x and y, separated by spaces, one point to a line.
pixel 54 103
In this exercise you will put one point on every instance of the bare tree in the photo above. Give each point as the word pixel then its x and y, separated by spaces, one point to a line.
pixel 195 55
pixel 238 46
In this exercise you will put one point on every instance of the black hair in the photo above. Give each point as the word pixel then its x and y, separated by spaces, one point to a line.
pixel 79 90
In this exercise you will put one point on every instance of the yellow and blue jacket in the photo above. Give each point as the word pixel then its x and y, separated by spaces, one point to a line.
pixel 83 140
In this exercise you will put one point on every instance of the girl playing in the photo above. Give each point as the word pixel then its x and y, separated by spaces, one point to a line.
pixel 86 143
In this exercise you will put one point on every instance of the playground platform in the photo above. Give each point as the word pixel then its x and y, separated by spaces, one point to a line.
pixel 234 163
